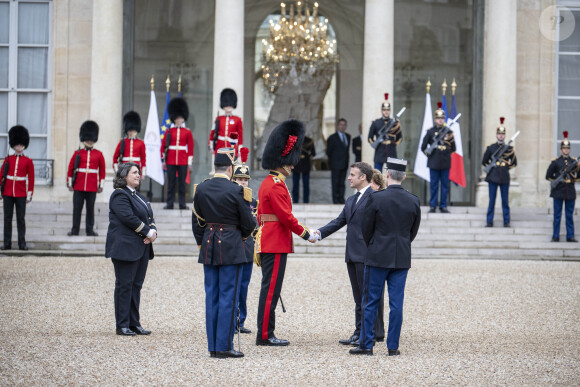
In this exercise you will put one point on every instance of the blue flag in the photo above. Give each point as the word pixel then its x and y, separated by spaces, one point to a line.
pixel 166 122
pixel 444 107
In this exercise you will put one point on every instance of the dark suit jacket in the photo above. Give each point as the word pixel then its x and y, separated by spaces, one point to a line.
pixel 357 148
pixel 355 245
pixel 221 218
pixel 129 222
pixel 337 151
pixel 391 221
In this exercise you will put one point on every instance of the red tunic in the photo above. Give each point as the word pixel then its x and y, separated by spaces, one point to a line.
pixel 20 169
pixel 134 152
pixel 180 147
pixel 274 198
pixel 91 171
pixel 230 133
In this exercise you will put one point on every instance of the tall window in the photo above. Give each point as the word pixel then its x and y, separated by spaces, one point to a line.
pixel 25 68
pixel 568 87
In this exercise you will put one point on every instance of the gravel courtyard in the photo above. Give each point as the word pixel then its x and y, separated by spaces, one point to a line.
pixel 466 322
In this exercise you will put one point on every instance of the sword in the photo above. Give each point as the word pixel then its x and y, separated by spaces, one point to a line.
pixel 282 303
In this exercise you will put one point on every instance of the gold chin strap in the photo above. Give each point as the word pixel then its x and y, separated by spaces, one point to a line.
pixel 285 167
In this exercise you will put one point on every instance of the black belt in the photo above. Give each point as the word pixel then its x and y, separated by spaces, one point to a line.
pixel 223 226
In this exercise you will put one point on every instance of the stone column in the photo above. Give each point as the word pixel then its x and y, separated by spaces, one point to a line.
pixel 106 78
pixel 228 53
pixel 378 67
pixel 499 79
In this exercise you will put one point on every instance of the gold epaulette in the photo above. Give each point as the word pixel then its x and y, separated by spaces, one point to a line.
pixel 555 158
pixel 248 194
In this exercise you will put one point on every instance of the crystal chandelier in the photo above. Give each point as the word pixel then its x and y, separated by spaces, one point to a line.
pixel 298 47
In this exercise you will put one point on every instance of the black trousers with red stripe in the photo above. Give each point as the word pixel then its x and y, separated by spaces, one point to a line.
pixel 273 268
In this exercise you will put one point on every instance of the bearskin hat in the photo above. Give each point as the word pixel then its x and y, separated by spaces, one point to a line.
pixel 132 121
pixel 228 97
pixel 177 107
pixel 89 131
pixel 18 135
pixel 284 145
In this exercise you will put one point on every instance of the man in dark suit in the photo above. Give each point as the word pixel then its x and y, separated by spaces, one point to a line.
pixel 337 147
pixel 221 220
pixel 390 223
pixel 352 216
pixel 357 145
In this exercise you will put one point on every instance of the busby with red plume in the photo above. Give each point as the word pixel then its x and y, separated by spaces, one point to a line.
pixel 177 107
pixel 132 121
pixel 244 154
pixel 439 113
pixel 565 142
pixel 284 145
pixel 18 135
pixel 500 129
pixel 386 105
pixel 89 131
pixel 228 97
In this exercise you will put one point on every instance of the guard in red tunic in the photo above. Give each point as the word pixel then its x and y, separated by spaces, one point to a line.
pixel 131 148
pixel 177 151
pixel 274 237
pixel 86 177
pixel 230 132
pixel 16 170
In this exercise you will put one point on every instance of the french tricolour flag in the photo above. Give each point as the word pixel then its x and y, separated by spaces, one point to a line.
pixel 457 172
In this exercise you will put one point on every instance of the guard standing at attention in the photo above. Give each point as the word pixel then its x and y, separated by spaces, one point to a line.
pixel 16 170
pixel 221 220
pixel 242 177
pixel 564 193
pixel 499 175
pixel 177 151
pixel 387 148
pixel 277 223
pixel 86 177
pixel 228 130
pixel 439 161
pixel 131 149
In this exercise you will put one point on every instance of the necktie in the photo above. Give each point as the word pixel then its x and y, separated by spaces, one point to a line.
pixel 355 201
pixel 343 138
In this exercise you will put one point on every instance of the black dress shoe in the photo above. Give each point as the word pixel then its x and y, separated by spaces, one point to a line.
pixel 6 247
pixel 349 341
pixel 444 210
pixel 183 207
pixel 166 207
pixel 211 353
pixel 361 351
pixel 92 233
pixel 140 331
pixel 244 330
pixel 272 341
pixel 506 225
pixel 571 240
pixel 432 210
pixel 23 247
pixel 230 353
pixel 70 233
pixel 356 343
pixel 125 332
pixel 379 339
pixel 489 225
pixel 555 239
pixel 394 352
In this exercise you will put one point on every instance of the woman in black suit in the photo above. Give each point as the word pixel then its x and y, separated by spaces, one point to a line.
pixel 129 237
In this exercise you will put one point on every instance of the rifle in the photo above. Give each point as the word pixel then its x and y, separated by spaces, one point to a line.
pixel 563 173
pixel 384 132
pixel 439 138
pixel 4 174
pixel 216 129
pixel 498 153
pixel 121 152
pixel 76 167
pixel 167 143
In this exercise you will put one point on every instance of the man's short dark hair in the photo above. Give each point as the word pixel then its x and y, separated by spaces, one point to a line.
pixel 364 168
pixel 221 168
pixel 341 119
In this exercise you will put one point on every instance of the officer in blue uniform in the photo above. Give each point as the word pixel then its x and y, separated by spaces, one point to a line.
pixel 221 220
pixel 390 223
pixel 242 177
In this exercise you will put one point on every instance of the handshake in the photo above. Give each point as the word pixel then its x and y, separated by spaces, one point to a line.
pixel 314 236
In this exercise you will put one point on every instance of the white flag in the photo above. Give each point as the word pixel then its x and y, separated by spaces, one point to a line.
pixel 421 168
pixel 153 143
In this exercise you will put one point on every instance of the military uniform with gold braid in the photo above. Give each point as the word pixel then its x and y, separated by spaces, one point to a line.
pixel 499 176
pixel 387 148
pixel 564 194
pixel 221 220
pixel 277 223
